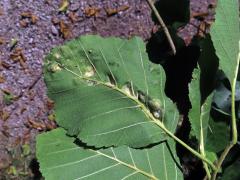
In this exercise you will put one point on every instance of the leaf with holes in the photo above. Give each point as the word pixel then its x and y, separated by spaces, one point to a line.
pixel 61 158
pixel 107 92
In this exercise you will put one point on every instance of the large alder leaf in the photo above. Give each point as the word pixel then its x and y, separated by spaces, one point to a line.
pixel 107 92
pixel 61 158
pixel 225 35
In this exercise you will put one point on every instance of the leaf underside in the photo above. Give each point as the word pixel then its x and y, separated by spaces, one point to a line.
pixel 106 90
pixel 61 158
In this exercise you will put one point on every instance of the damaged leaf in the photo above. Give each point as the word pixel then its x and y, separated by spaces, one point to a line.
pixel 109 81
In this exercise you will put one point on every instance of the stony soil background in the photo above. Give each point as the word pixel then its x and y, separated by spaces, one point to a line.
pixel 28 30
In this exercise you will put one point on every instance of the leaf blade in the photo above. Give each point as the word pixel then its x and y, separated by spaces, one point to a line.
pixel 106 101
pixel 225 35
pixel 65 159
pixel 199 114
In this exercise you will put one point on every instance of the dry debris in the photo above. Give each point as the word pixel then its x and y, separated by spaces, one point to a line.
pixel 73 17
pixel 92 11
pixel 28 18
pixel 49 2
pixel 50 104
pixel 34 19
pixel 1 11
pixel 18 56
pixel 55 20
pixel 4 115
pixel 41 126
pixel 113 11
pixel 4 64
pixel 2 79
pixel 65 29
pixel 26 14
pixel 2 40
pixel 23 23
pixel 36 125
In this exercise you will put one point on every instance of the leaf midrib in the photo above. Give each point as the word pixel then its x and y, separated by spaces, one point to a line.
pixel 127 165
pixel 147 113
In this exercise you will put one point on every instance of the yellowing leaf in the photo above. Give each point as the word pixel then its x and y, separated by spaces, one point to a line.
pixel 64 5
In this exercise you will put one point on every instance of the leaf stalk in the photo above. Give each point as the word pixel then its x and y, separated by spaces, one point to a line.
pixel 149 114
pixel 202 149
pixel 194 152
pixel 234 123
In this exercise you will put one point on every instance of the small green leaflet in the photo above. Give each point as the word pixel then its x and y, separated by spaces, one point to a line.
pixel 199 114
pixel 107 92
pixel 61 158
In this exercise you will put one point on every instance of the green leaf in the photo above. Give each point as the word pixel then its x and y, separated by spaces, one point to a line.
pixel 211 156
pixel 232 172
pixel 106 92
pixel 218 136
pixel 8 98
pixel 200 112
pixel 61 158
pixel 225 36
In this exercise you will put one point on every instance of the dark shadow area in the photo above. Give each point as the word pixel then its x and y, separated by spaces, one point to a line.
pixel 34 166
pixel 152 145
pixel 178 70
pixel 169 148
pixel 172 11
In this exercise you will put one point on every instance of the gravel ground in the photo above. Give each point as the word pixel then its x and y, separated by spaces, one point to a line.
pixel 28 30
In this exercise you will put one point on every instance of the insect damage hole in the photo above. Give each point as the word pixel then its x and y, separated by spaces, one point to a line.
pixel 54 67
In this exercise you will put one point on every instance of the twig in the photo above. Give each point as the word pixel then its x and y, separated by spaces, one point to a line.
pixel 165 29
pixel 221 159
